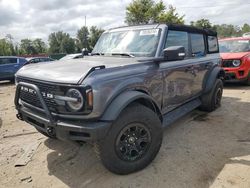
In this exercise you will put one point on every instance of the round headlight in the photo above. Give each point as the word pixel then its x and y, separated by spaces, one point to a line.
pixel 236 63
pixel 77 99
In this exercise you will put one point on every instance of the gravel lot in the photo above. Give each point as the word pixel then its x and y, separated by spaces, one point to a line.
pixel 200 150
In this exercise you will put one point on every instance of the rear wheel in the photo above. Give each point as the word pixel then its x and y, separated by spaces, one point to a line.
pixel 212 100
pixel 133 142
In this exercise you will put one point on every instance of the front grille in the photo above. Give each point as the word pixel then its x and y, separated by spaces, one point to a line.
pixel 227 63
pixel 45 88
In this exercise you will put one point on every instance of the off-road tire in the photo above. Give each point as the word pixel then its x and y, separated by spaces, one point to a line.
pixel 133 114
pixel 212 100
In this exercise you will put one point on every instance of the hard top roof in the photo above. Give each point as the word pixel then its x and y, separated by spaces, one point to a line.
pixel 170 26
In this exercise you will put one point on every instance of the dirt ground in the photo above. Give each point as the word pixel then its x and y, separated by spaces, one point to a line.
pixel 200 150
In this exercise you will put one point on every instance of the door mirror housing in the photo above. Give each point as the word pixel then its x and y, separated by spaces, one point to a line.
pixel 174 53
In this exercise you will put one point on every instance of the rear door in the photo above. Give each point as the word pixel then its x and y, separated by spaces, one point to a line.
pixel 8 67
pixel 201 60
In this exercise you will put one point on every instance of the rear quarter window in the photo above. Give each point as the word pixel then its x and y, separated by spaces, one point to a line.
pixel 8 61
pixel 197 44
pixel 213 46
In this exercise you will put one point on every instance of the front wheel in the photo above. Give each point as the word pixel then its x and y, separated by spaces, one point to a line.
pixel 212 100
pixel 133 142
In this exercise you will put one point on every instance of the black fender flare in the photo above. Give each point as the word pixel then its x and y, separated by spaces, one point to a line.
pixel 122 101
pixel 217 72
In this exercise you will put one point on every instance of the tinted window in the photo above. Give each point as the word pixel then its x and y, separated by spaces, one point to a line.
pixel 212 44
pixel 8 61
pixel 198 45
pixel 177 38
pixel 22 61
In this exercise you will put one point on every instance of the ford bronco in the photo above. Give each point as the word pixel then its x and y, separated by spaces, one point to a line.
pixel 138 80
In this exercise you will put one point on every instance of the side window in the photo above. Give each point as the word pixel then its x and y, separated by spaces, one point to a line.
pixel 22 61
pixel 197 44
pixel 8 61
pixel 177 38
pixel 212 44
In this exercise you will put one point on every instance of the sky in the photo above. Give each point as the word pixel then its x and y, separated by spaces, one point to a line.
pixel 38 18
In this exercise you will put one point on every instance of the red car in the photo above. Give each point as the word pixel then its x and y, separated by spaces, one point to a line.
pixel 235 54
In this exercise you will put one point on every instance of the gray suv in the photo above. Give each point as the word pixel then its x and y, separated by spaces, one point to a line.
pixel 138 80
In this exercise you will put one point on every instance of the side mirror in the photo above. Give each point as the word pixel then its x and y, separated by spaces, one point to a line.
pixel 174 53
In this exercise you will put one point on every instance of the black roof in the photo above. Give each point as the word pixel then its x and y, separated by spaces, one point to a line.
pixel 192 29
pixel 177 27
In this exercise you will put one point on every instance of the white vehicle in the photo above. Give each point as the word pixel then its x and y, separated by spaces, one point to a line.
pixel 246 34
pixel 72 56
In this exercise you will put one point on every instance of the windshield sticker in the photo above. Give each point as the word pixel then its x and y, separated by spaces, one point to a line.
pixel 149 32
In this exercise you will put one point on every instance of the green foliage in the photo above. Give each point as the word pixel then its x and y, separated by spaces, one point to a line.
pixel 245 28
pixel 29 47
pixel 223 30
pixel 202 24
pixel 86 38
pixel 82 38
pixel 6 48
pixel 148 11
pixel 95 33
pixel 170 16
pixel 39 45
pixel 228 30
pixel 61 42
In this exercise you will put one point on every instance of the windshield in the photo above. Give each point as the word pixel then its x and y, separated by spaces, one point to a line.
pixel 234 46
pixel 138 43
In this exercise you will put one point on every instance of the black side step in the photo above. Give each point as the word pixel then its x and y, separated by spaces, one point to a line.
pixel 172 116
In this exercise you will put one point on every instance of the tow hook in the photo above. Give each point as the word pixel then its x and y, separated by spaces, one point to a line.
pixel 19 116
pixel 51 131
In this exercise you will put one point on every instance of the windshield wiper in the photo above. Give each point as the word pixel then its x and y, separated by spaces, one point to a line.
pixel 123 54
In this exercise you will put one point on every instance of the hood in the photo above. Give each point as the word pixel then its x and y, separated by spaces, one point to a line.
pixel 238 55
pixel 70 71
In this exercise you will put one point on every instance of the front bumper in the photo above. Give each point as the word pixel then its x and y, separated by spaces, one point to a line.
pixel 62 128
pixel 236 74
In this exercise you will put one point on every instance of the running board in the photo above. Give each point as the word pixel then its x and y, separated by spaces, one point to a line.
pixel 172 116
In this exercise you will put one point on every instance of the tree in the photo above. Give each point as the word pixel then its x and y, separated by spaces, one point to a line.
pixel 147 11
pixel 170 16
pixel 39 45
pixel 202 24
pixel 61 42
pixel 83 38
pixel 245 28
pixel 227 30
pixel 6 48
pixel 95 33
pixel 26 47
